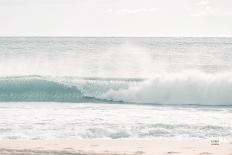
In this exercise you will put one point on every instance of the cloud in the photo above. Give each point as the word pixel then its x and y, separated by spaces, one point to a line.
pixel 38 2
pixel 133 11
pixel 211 11
pixel 203 2
pixel 206 11
pixel 205 8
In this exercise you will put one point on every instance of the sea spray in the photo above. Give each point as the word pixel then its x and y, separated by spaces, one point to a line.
pixel 192 87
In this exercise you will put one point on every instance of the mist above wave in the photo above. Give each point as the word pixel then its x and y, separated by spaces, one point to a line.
pixel 112 57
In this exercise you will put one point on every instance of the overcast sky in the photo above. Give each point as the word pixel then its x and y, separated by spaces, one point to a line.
pixel 116 18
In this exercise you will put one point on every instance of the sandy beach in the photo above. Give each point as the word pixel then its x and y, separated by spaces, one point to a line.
pixel 113 147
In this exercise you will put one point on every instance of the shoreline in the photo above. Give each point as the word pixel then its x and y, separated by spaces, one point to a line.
pixel 113 147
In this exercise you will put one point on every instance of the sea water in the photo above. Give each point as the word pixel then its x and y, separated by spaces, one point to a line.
pixel 115 88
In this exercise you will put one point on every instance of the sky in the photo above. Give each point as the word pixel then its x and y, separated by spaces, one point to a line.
pixel 157 18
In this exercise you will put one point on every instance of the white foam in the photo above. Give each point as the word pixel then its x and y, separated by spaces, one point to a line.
pixel 189 87
pixel 59 120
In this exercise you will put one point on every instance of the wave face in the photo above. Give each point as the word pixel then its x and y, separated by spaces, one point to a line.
pixel 188 88
pixel 37 90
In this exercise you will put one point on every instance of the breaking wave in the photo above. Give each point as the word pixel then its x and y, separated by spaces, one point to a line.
pixel 190 88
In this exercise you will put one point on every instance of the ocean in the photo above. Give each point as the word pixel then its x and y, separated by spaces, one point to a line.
pixel 96 87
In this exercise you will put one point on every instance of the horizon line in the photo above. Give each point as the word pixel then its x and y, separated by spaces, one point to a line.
pixel 92 36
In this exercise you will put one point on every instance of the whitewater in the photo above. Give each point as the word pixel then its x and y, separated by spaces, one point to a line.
pixel 132 87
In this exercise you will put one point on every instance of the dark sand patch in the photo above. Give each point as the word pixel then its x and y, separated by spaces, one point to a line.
pixel 172 152
pixel 204 153
pixel 49 152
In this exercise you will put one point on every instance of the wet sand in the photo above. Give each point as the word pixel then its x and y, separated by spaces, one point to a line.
pixel 113 147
